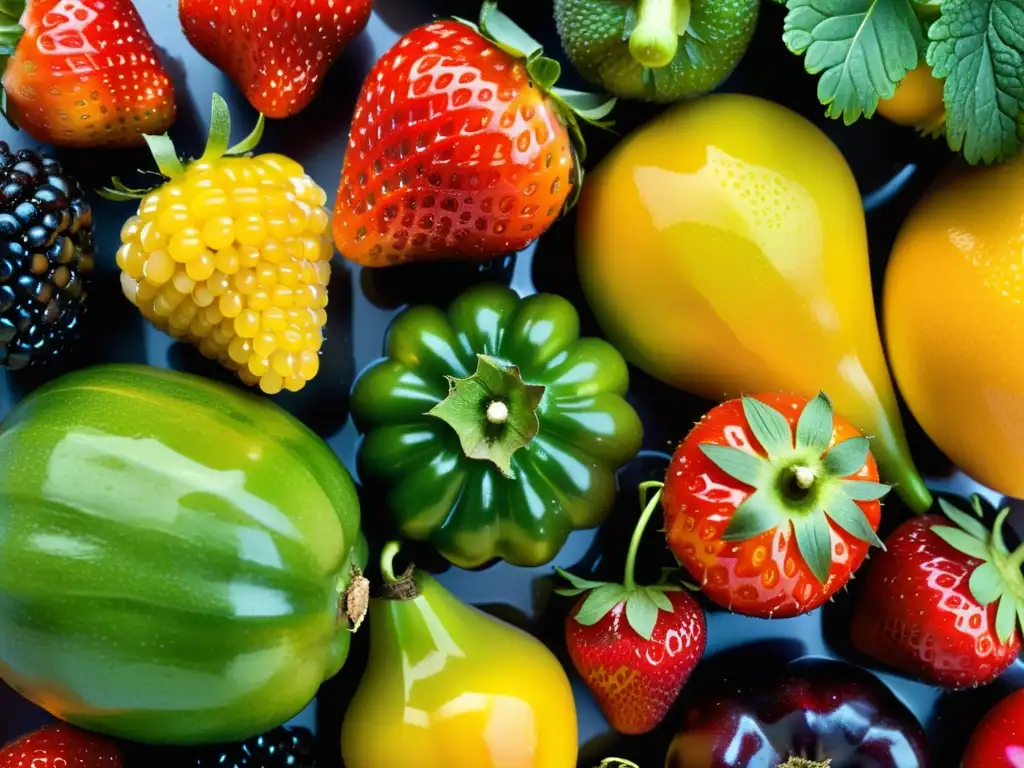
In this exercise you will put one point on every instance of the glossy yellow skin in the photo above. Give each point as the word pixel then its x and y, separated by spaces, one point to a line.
pixel 723 249
pixel 448 686
pixel 917 102
pixel 954 320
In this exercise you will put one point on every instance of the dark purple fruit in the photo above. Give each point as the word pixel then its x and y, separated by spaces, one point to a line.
pixel 280 748
pixel 46 257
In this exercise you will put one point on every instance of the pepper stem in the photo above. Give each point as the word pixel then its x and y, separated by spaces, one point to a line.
pixel 497 412
pixel 628 580
pixel 396 587
pixel 387 561
pixel 655 39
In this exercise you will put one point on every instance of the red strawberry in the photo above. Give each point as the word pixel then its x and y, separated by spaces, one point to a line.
pixel 634 646
pixel 276 51
pixel 998 741
pixel 942 604
pixel 60 746
pixel 84 73
pixel 460 147
pixel 771 524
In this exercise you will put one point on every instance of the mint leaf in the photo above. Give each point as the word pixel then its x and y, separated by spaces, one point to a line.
pixel 977 46
pixel 861 48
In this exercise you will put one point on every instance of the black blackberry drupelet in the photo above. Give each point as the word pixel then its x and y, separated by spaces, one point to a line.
pixel 46 256
pixel 279 748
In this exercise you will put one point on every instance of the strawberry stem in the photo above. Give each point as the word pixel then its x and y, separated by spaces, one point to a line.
pixel 628 580
pixel 655 39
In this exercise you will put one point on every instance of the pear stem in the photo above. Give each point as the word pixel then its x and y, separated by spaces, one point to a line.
pixel 628 580
pixel 655 39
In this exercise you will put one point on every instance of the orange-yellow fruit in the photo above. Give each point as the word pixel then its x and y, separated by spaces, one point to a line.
pixel 234 258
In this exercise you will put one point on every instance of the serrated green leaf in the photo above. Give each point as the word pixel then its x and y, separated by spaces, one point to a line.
pixel 864 490
pixel 769 427
pixel 986 583
pixel 660 599
pixel 814 428
pixel 847 457
pixel 1006 618
pixel 814 540
pixel 961 541
pixel 974 527
pixel 848 516
pixel 861 48
pixel 599 602
pixel 757 514
pixel 746 467
pixel 641 613
pixel 977 46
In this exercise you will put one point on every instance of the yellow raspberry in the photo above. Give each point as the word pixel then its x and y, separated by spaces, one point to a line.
pixel 232 255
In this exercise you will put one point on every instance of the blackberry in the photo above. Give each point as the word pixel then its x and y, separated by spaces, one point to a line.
pixel 46 256
pixel 280 748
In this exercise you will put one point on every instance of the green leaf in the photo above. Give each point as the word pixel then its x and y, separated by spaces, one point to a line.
pixel 220 130
pixel 851 519
pixel 814 428
pixel 505 33
pixel 961 541
pixel 659 598
pixel 757 514
pixel 165 155
pixel 847 457
pixel 861 48
pixel 641 613
pixel 814 540
pixel 250 142
pixel 746 467
pixel 864 490
pixel 1020 613
pixel 579 585
pixel 974 527
pixel 977 46
pixel 1006 618
pixel 769 427
pixel 987 584
pixel 599 603
pixel 997 532
pixel 591 107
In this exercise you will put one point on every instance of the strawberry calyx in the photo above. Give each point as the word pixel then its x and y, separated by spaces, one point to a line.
pixel 999 578
pixel 570 106
pixel 168 163
pixel 801 482
pixel 654 29
pixel 11 32
pixel 642 602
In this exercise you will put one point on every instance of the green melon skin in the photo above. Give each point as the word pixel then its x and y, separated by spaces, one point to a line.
pixel 173 554
pixel 593 35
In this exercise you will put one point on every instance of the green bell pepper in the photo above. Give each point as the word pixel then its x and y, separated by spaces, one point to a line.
pixel 175 556
pixel 496 429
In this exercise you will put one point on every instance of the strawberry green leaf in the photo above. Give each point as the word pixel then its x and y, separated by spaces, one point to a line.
pixel 814 540
pixel 641 613
pixel 1006 618
pixel 579 585
pixel 591 107
pixel 544 71
pixel 997 532
pixel 848 516
pixel 987 584
pixel 962 541
pixel 861 48
pixel 974 527
pixel 977 46
pixel 976 506
pixel 864 490
pixel 220 130
pixel 1020 613
pixel 847 457
pixel 769 427
pixel 250 142
pixel 599 603
pixel 165 155
pixel 758 513
pixel 746 467
pixel 814 428
pixel 660 599
pixel 508 35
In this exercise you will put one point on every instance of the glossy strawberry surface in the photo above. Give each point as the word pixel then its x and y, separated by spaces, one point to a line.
pixel 764 575
pixel 86 74
pixel 276 51
pixel 60 746
pixel 998 741
pixel 635 681
pixel 915 612
pixel 454 153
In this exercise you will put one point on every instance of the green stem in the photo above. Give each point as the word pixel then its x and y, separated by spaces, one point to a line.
pixel 628 580
pixel 387 561
pixel 655 39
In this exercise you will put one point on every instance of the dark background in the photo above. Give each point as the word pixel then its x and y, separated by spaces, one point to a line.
pixel 892 166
